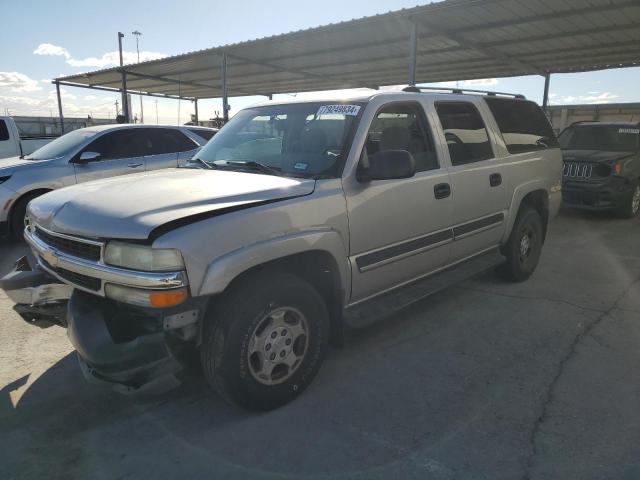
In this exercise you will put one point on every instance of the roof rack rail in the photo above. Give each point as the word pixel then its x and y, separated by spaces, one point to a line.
pixel 415 89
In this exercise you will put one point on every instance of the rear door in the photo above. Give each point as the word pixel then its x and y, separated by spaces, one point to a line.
pixel 120 154
pixel 477 183
pixel 168 148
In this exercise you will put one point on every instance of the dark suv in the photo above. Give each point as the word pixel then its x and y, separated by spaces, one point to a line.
pixel 602 166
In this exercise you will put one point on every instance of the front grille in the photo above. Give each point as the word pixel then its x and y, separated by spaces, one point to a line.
pixel 577 170
pixel 77 248
pixel 85 281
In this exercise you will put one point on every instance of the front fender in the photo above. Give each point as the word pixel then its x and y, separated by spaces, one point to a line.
pixel 224 269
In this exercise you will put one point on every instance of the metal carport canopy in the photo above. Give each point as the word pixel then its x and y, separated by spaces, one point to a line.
pixel 452 40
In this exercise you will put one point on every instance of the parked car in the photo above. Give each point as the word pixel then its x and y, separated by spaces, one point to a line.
pixel 90 154
pixel 301 219
pixel 12 145
pixel 602 167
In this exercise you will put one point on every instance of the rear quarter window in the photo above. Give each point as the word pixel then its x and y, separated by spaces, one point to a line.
pixel 523 124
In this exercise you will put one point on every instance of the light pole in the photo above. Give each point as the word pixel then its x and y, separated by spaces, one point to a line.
pixel 125 103
pixel 137 34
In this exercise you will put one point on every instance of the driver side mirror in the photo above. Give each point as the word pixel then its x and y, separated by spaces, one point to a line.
pixel 86 157
pixel 388 165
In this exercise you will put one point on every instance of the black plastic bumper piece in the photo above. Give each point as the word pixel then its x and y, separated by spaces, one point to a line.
pixel 144 363
pixel 42 315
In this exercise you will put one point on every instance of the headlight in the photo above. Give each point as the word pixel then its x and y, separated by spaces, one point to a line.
pixel 146 298
pixel 143 258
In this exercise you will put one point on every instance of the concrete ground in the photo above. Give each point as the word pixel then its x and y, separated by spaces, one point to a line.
pixel 486 380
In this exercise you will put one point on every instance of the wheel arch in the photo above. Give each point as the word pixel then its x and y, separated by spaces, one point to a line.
pixel 36 192
pixel 318 257
pixel 534 195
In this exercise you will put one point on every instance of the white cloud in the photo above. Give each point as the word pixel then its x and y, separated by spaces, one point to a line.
pixel 18 82
pixel 111 59
pixel 50 49
pixel 589 98
pixel 481 82
pixel 89 97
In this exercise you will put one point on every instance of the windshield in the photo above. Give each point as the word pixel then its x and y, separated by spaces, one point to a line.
pixel 301 140
pixel 601 137
pixel 63 145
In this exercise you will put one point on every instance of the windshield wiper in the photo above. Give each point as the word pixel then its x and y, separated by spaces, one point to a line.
pixel 203 162
pixel 261 167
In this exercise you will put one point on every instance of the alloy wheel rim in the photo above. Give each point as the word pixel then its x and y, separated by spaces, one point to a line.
pixel 526 244
pixel 278 345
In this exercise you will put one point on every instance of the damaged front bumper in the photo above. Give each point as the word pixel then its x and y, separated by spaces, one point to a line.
pixel 40 299
pixel 133 350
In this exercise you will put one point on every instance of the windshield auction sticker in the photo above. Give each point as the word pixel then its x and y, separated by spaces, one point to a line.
pixel 629 130
pixel 351 110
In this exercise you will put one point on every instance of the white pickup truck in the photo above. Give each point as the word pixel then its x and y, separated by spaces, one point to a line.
pixel 11 145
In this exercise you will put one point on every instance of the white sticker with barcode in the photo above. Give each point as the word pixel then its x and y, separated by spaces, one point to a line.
pixel 351 110
pixel 629 130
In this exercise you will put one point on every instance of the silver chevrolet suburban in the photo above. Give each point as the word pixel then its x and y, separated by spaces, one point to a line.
pixel 296 221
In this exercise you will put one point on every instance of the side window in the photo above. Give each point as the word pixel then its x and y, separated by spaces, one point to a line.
pixel 165 140
pixel 206 134
pixel 523 124
pixel 118 144
pixel 465 132
pixel 403 126
pixel 4 131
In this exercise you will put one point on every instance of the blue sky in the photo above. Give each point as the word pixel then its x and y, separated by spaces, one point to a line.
pixel 74 36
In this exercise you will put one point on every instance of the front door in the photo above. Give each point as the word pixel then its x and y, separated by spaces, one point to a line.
pixel 120 154
pixel 399 229
pixel 477 183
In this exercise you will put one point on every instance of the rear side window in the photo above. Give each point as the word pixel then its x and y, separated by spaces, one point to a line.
pixel 523 124
pixel 165 140
pixel 4 131
pixel 206 134
pixel 465 132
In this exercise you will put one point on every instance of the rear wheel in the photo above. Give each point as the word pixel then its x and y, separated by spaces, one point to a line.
pixel 265 341
pixel 524 246
pixel 632 206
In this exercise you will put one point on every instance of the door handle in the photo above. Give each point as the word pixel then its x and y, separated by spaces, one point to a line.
pixel 495 179
pixel 442 190
pixel 134 165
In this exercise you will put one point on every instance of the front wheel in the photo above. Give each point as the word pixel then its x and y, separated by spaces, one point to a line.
pixel 524 246
pixel 632 206
pixel 265 341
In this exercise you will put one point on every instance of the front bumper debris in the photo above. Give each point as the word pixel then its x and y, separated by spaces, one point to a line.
pixel 132 350
pixel 39 299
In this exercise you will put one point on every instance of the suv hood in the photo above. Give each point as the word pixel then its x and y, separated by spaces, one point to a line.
pixel 593 156
pixel 132 206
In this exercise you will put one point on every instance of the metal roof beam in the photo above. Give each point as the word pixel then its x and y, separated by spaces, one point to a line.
pixel 117 90
pixel 460 39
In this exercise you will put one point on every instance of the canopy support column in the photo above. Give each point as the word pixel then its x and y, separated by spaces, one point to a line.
pixel 60 108
pixel 413 50
pixel 225 98
pixel 195 104
pixel 125 100
pixel 545 96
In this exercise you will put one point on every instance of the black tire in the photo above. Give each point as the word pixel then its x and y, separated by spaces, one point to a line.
pixel 522 262
pixel 631 206
pixel 232 323
pixel 16 223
